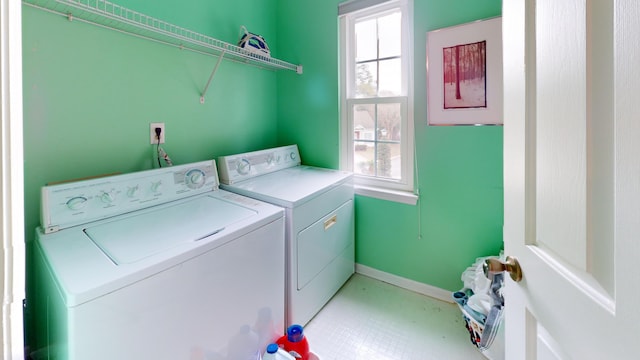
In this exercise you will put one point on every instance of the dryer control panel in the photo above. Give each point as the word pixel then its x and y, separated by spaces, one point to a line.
pixel 79 202
pixel 234 168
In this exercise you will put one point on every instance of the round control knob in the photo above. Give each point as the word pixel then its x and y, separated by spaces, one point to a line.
pixel 244 166
pixel 156 186
pixel 195 178
pixel 77 202
pixel 132 191
pixel 107 197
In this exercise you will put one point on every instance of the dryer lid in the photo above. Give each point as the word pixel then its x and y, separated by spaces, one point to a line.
pixel 292 186
pixel 136 237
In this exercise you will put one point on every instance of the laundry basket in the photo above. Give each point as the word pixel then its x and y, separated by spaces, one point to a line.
pixel 482 306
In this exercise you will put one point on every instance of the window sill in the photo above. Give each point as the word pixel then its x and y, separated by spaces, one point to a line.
pixel 404 197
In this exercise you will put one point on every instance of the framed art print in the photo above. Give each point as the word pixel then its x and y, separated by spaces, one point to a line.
pixel 464 74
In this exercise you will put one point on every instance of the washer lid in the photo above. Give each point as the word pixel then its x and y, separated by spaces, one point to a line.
pixel 133 238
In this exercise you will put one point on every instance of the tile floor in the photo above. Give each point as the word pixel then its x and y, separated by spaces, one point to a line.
pixel 372 320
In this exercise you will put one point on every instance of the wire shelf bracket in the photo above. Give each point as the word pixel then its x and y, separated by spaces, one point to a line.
pixel 215 69
pixel 113 16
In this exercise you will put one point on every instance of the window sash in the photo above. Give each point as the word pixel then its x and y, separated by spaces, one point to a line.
pixel 404 183
pixel 349 100
pixel 348 48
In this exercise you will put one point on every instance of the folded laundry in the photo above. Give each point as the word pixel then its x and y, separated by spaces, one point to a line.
pixel 494 318
pixel 463 301
pixel 482 304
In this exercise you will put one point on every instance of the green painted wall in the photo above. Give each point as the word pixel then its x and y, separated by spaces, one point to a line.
pixel 90 94
pixel 308 104
pixel 459 216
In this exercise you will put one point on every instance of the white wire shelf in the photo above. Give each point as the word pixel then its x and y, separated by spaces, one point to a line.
pixel 113 16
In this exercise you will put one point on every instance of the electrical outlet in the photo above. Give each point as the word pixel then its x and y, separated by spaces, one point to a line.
pixel 152 132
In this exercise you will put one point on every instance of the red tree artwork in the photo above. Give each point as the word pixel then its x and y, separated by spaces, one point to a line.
pixel 465 75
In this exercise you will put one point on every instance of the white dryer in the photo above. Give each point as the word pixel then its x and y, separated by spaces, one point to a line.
pixel 158 264
pixel 319 221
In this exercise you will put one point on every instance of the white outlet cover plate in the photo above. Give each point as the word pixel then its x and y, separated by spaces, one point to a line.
pixel 152 133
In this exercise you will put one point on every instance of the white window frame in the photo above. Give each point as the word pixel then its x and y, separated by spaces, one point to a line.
pixel 401 190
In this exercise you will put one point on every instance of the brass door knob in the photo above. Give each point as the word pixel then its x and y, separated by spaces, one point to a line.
pixel 512 266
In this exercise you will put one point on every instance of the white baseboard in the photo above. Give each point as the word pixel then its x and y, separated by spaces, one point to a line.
pixel 420 288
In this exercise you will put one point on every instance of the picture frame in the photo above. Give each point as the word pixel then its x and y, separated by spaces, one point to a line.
pixel 464 74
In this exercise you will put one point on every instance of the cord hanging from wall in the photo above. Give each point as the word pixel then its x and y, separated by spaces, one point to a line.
pixel 161 154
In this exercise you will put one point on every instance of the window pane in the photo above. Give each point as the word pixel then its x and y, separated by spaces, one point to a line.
pixel 389 122
pixel 363 158
pixel 364 122
pixel 390 80
pixel 366 41
pixel 388 160
pixel 389 31
pixel 366 79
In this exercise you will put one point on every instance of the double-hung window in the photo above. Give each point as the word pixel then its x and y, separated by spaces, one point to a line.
pixel 376 95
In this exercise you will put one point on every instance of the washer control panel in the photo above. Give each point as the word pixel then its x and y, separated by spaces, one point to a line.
pixel 234 168
pixel 74 203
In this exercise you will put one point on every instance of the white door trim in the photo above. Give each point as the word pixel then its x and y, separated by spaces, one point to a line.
pixel 12 181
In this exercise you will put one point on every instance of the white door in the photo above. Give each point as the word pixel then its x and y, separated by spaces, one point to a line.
pixel 572 178
pixel 12 251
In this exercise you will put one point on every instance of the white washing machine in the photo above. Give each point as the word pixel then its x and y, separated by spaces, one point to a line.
pixel 319 221
pixel 158 264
